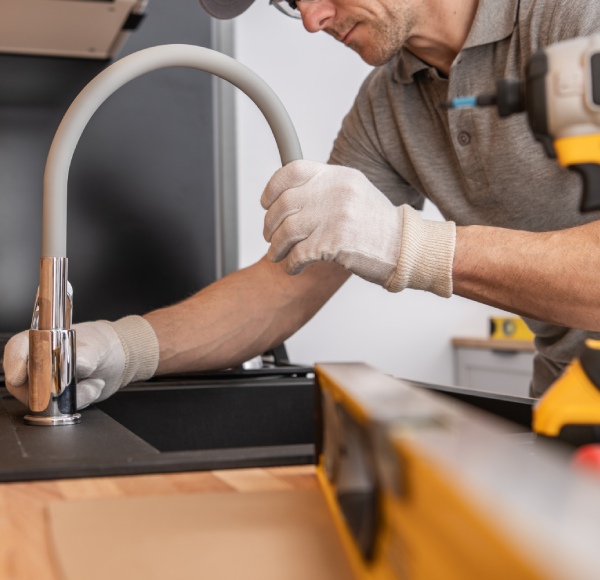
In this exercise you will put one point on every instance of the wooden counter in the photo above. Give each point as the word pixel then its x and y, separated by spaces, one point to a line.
pixel 25 548
pixel 495 344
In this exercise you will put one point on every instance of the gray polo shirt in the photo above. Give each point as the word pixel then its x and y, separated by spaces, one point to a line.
pixel 475 167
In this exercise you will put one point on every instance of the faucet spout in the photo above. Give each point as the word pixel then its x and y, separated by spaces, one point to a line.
pixel 52 377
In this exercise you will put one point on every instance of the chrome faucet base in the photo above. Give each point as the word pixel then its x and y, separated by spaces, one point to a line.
pixel 52 420
pixel 52 352
pixel 52 380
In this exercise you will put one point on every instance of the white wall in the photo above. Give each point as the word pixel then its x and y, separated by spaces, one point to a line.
pixel 406 334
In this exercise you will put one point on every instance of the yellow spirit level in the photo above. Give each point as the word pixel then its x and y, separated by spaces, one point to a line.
pixel 423 487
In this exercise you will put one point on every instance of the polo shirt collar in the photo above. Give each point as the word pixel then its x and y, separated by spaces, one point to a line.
pixel 494 20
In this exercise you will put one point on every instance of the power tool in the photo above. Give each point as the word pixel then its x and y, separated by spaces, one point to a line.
pixel 561 96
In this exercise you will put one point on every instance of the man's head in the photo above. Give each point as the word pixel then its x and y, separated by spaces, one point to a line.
pixel 375 29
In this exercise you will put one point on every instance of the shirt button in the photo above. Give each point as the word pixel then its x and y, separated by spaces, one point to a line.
pixel 464 138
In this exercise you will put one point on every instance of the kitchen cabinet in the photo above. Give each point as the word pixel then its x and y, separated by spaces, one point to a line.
pixel 497 366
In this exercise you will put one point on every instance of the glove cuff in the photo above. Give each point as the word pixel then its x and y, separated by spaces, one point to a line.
pixel 141 348
pixel 426 255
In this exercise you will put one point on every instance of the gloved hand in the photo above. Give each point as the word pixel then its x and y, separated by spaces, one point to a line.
pixel 109 356
pixel 318 212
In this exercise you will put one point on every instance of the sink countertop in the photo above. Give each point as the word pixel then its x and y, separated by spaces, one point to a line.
pixel 105 444
pixel 99 463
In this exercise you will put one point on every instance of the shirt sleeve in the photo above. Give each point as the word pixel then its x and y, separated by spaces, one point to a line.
pixel 357 145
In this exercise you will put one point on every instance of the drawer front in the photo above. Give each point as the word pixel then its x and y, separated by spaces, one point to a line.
pixel 505 372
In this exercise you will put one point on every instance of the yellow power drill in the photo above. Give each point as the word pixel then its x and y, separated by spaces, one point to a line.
pixel 561 97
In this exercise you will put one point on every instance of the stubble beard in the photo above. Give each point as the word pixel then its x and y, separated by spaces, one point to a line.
pixel 385 38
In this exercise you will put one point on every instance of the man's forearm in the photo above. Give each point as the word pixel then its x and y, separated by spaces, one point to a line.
pixel 551 276
pixel 241 315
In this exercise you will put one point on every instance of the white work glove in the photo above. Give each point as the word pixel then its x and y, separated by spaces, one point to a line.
pixel 318 212
pixel 109 356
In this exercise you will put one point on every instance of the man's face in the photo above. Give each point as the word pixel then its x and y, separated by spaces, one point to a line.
pixel 375 29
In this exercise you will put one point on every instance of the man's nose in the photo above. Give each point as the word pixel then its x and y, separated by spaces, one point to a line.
pixel 316 15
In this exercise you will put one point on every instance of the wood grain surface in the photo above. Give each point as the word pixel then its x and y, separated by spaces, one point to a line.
pixel 495 344
pixel 25 548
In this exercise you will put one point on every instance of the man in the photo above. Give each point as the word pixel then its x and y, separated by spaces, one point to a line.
pixel 520 242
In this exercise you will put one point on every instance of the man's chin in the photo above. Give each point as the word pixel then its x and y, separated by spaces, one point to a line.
pixel 373 58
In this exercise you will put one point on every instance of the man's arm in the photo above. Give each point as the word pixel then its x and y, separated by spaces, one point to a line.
pixel 241 315
pixel 550 276
pixel 230 321
pixel 319 212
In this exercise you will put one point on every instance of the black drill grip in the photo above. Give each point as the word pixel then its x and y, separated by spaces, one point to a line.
pixel 590 361
pixel 590 172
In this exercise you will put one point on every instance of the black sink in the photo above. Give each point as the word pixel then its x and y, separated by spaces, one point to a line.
pixel 217 416
pixel 229 419
pixel 223 420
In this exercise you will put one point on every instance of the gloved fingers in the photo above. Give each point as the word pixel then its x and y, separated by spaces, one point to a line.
pixel 292 231
pixel 302 255
pixel 109 389
pixel 293 175
pixel 95 342
pixel 89 348
pixel 101 361
pixel 87 362
pixel 19 392
pixel 88 391
pixel 16 357
pixel 318 248
pixel 288 204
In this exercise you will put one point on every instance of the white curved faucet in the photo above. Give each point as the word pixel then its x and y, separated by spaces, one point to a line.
pixel 52 355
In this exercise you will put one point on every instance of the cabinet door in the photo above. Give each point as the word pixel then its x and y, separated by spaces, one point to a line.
pixel 496 371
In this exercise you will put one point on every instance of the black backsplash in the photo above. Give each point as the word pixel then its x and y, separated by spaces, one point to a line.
pixel 141 230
